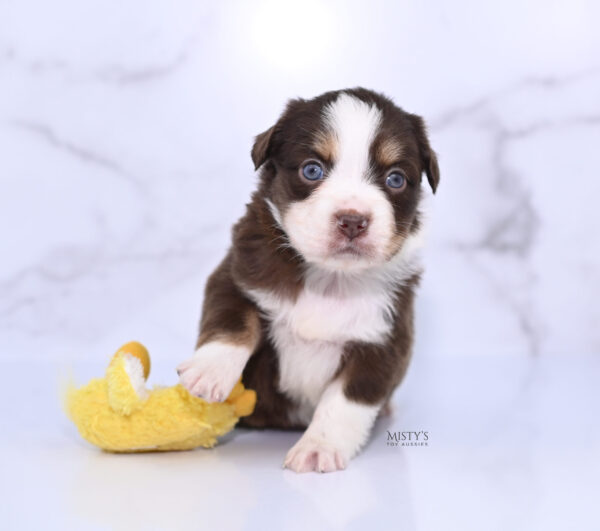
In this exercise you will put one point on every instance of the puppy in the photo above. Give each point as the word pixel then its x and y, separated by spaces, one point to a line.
pixel 313 304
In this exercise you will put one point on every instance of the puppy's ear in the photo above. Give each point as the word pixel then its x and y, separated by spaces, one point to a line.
pixel 263 143
pixel 260 150
pixel 428 157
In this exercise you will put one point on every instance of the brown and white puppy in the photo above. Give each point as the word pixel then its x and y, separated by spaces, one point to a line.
pixel 313 304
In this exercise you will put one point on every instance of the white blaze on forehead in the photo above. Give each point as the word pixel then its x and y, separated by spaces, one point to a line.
pixel 354 123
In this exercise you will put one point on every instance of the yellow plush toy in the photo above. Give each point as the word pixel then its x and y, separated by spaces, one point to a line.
pixel 118 414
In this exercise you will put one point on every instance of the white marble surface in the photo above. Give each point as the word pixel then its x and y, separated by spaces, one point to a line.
pixel 514 443
pixel 125 130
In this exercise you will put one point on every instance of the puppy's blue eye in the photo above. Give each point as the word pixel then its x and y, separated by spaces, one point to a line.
pixel 395 180
pixel 312 171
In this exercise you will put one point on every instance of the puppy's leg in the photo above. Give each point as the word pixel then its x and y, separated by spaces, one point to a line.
pixel 345 414
pixel 339 428
pixel 230 331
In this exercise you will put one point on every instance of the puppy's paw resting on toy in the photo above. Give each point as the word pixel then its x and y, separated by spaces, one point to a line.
pixel 213 370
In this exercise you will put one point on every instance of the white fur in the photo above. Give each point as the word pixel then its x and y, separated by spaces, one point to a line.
pixel 305 368
pixel 275 213
pixel 332 308
pixel 339 429
pixel 311 224
pixel 213 370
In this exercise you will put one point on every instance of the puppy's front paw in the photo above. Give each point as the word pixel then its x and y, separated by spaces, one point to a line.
pixel 213 370
pixel 310 454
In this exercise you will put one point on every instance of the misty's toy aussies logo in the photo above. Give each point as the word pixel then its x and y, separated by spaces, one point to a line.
pixel 407 438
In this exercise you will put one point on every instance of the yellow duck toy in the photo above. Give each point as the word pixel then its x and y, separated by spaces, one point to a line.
pixel 118 414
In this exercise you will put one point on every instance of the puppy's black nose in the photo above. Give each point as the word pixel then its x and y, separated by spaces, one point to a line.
pixel 352 223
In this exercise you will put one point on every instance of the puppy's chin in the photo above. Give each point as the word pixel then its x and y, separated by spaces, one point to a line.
pixel 346 262
pixel 346 255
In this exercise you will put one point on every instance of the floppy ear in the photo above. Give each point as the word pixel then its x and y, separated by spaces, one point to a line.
pixel 428 157
pixel 260 150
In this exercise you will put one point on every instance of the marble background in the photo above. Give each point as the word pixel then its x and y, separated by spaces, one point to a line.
pixel 125 131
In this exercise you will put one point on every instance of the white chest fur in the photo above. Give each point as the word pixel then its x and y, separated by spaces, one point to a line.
pixel 309 336
pixel 333 308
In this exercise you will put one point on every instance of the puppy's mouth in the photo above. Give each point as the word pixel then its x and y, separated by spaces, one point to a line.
pixel 351 249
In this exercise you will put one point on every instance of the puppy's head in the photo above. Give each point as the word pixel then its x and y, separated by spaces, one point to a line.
pixel 342 177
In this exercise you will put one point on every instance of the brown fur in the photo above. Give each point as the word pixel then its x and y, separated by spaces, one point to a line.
pixel 227 314
pixel 371 372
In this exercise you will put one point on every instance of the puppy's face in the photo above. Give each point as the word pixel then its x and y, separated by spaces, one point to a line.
pixel 342 177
